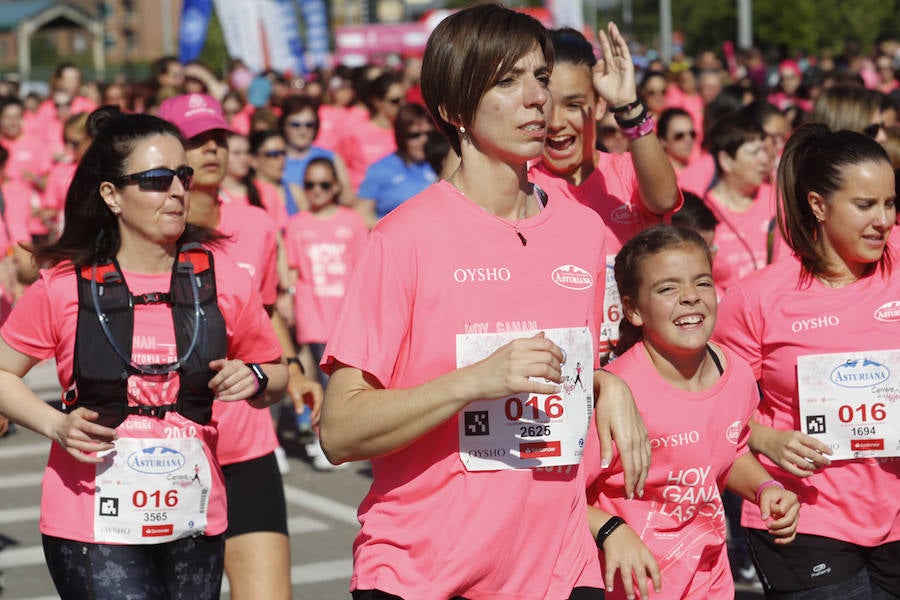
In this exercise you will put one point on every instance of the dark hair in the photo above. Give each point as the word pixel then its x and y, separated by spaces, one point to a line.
pixel 724 106
pixel 815 160
pixel 407 116
pixel 91 230
pixel 467 53
pixel 694 214
pixel 160 66
pixel 4 156
pixel 665 119
pixel 570 46
pixel 650 75
pixel 436 150
pixel 761 111
pixel 294 104
pixel 253 197
pixel 260 137
pixel 648 242
pixel 378 88
pixel 728 135
pixel 11 101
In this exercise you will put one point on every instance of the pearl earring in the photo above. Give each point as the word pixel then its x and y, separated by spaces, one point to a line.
pixel 462 130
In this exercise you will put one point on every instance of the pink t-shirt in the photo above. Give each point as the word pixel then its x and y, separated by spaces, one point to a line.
pixel 17 197
pixel 364 145
pixel 697 175
pixel 268 195
pixel 742 238
pixel 612 191
pixel 43 324
pixel 336 122
pixel 245 432
pixel 770 318
pixel 27 153
pixel 438 266
pixel 695 438
pixel 324 252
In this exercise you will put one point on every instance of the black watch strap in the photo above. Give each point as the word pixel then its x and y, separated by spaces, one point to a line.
pixel 262 380
pixel 607 528
pixel 296 361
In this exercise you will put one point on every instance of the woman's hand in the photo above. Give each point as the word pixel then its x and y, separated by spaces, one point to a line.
pixel 779 509
pixel 81 437
pixel 793 451
pixel 624 551
pixel 234 380
pixel 614 71
pixel 618 419
pixel 510 368
pixel 306 393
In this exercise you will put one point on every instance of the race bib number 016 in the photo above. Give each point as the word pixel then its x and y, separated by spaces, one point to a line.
pixel 850 402
pixel 151 490
pixel 528 430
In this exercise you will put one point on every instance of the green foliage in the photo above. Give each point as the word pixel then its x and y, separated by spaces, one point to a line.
pixel 214 54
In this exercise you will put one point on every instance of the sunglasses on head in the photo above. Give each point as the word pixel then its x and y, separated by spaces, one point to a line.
pixel 683 134
pixel 274 153
pixel 325 185
pixel 159 179
pixel 303 124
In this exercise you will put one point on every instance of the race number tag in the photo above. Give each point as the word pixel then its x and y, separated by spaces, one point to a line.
pixel 528 430
pixel 850 402
pixel 612 310
pixel 150 491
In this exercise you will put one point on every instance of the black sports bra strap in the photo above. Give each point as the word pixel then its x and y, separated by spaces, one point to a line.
pixel 715 359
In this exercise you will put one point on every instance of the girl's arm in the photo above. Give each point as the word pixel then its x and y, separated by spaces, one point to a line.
pixel 778 507
pixel 362 420
pixel 624 551
pixel 793 451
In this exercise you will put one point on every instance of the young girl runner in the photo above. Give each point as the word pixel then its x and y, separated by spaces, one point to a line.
pixel 696 399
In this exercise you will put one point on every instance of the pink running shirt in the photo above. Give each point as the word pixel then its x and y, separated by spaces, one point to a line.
pixel 438 266
pixel 364 145
pixel 695 438
pixel 770 318
pixel 43 325
pixel 324 252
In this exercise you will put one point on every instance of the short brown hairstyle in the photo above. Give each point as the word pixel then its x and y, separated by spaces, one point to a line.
pixel 467 53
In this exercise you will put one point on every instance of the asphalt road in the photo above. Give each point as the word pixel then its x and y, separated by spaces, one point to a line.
pixel 321 514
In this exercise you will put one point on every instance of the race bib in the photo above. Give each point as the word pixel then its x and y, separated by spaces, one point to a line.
pixel 612 310
pixel 849 401
pixel 150 491
pixel 528 430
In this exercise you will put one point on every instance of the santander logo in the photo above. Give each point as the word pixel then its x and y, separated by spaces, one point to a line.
pixel 572 277
pixel 889 312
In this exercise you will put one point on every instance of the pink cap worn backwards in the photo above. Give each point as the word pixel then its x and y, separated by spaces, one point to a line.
pixel 193 114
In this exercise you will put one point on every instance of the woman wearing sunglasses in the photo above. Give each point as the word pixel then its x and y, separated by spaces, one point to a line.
pixel 323 245
pixel 147 329
pixel 257 553
pixel 403 174
pixel 299 124
pixel 677 134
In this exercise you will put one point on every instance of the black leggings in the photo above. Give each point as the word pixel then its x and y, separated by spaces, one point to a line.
pixel 189 569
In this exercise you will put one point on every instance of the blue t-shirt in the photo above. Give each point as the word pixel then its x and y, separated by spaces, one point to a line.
pixel 391 181
pixel 295 168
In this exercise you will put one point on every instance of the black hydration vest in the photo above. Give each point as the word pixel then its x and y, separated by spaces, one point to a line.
pixel 100 373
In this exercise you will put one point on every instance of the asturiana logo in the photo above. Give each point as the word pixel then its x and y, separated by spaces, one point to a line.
pixel 733 432
pixel 624 215
pixel 889 312
pixel 572 277
pixel 156 460
pixel 859 373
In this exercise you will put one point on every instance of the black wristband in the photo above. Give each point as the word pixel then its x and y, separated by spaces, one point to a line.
pixel 607 528
pixel 634 121
pixel 296 361
pixel 625 107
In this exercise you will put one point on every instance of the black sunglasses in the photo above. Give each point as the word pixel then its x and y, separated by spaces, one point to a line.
pixel 158 179
pixel 683 134
pixel 325 185
pixel 414 135
pixel 274 153
pixel 395 101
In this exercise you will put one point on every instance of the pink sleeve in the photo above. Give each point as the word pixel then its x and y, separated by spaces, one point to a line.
pixel 739 327
pixel 250 334
pixel 29 328
pixel 268 284
pixel 376 311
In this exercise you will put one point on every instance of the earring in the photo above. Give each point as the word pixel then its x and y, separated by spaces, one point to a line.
pixel 462 130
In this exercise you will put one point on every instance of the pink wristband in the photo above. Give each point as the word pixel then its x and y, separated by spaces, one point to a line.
pixel 645 127
pixel 764 485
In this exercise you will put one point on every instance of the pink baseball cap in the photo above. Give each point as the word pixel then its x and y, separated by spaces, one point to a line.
pixel 193 114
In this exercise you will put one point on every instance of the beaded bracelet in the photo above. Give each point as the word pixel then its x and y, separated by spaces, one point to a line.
pixel 764 485
pixel 645 127
pixel 633 121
